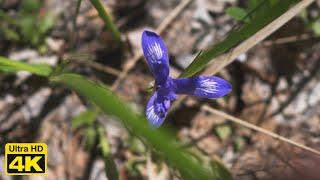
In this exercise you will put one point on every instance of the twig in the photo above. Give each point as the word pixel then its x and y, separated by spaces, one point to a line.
pixel 221 61
pixel 258 129
pixel 98 66
pixel 174 13
pixel 289 39
pixel 225 59
pixel 165 23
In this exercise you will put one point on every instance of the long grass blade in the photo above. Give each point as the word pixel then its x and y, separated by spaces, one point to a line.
pixel 159 139
pixel 107 20
pixel 8 65
pixel 221 61
pixel 236 37
pixel 109 164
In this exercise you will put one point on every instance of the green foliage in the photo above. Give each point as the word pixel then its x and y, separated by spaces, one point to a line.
pixel 223 131
pixel 85 118
pixel 259 18
pixel 7 69
pixel 159 139
pixel 255 8
pixel 94 131
pixel 30 26
pixel 133 165
pixel 74 21
pixel 273 2
pixel 90 137
pixel 136 146
pixel 107 20
pixel 220 171
pixel 239 143
pixel 110 165
pixel 312 23
pixel 238 13
pixel 316 27
pixel 8 65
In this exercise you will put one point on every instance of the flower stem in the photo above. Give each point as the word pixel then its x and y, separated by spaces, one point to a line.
pixel 107 20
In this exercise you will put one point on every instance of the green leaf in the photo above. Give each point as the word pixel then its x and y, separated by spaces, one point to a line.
pixel 30 6
pixel 223 171
pixel 84 118
pixel 7 69
pixel 273 2
pixel 39 69
pixel 46 23
pixel 238 13
pixel 90 137
pixel 254 3
pixel 136 146
pixel 5 18
pixel 10 34
pixel 223 131
pixel 316 27
pixel 157 138
pixel 237 36
pixel 109 164
pixel 239 143
pixel 27 27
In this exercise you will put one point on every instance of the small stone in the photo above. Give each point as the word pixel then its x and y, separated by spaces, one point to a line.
pixel 314 96
pixel 184 60
pixel 242 57
pixel 54 44
pixel 24 54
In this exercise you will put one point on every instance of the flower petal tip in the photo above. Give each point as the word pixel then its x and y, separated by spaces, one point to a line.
pixel 224 86
pixel 149 34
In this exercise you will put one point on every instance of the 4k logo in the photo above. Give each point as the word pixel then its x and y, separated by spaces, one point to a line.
pixel 26 158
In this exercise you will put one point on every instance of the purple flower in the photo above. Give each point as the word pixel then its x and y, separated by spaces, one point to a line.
pixel 168 88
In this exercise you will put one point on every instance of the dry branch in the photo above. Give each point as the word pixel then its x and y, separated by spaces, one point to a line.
pixel 258 129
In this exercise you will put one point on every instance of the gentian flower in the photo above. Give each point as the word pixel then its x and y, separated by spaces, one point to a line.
pixel 167 88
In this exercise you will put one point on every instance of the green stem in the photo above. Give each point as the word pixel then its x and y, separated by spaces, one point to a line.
pixel 110 165
pixel 76 14
pixel 107 20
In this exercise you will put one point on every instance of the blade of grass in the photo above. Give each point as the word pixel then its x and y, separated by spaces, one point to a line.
pixel 39 69
pixel 237 36
pixel 7 69
pixel 84 118
pixel 74 22
pixel 225 59
pixel 107 20
pixel 75 34
pixel 109 164
pixel 238 14
pixel 159 139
